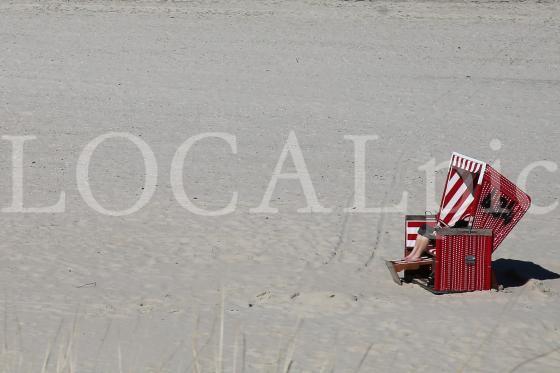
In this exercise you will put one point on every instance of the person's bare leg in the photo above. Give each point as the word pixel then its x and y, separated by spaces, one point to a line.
pixel 420 247
pixel 416 243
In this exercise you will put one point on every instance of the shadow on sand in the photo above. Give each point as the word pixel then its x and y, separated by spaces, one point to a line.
pixel 514 273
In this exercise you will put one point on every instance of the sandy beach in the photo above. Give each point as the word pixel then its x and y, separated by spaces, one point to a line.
pixel 166 289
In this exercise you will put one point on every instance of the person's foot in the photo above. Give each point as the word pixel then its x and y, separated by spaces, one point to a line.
pixel 412 259
pixel 406 257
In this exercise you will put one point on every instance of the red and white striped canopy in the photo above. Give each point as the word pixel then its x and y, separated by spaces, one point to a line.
pixel 468 164
pixel 464 177
pixel 476 192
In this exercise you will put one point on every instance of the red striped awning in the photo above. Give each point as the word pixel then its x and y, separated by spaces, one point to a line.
pixel 468 164
pixel 458 202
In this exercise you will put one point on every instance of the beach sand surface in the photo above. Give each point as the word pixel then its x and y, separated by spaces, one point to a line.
pixel 301 292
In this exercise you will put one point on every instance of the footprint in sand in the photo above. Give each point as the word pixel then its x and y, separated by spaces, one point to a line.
pixel 315 304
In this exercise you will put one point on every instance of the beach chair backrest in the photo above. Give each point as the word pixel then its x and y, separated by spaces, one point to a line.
pixel 461 189
pixel 477 192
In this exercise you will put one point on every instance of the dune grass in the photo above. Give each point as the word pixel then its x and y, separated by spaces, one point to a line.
pixel 61 357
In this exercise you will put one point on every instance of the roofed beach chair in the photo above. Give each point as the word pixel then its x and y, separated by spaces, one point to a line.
pixel 461 260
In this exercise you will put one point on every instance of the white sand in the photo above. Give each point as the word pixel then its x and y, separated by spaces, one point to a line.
pixel 165 71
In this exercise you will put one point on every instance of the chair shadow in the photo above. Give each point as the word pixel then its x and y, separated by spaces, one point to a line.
pixel 514 273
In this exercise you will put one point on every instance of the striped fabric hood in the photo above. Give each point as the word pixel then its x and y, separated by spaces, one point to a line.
pixel 463 180
pixel 476 192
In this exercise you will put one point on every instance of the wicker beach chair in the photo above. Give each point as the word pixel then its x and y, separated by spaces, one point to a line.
pixel 492 205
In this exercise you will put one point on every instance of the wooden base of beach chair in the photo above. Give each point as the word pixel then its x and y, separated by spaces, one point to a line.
pixel 425 284
pixel 396 266
pixel 392 270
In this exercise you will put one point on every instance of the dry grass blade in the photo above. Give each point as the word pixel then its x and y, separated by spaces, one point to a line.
pixel 5 346
pixel 220 358
pixel 119 353
pixel 364 358
pixel 48 352
pixel 67 362
pixel 329 363
pixel 243 353
pixel 103 339
pixel 196 364
pixel 235 350
pixel 288 360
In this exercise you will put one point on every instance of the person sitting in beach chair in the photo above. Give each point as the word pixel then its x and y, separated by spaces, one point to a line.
pixel 426 240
